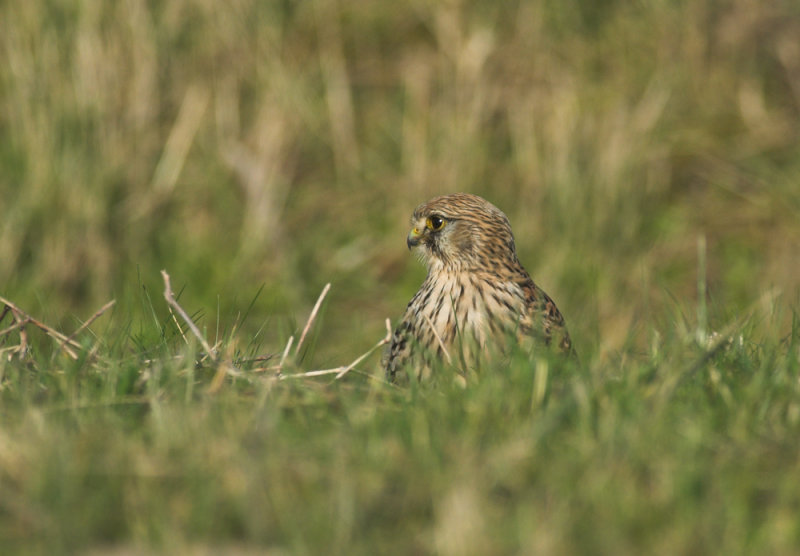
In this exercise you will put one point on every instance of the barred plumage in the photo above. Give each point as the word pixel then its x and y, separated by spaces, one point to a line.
pixel 476 298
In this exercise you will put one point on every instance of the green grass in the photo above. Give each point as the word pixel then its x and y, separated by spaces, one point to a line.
pixel 682 449
pixel 647 155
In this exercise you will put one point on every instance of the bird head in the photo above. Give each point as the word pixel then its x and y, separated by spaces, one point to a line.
pixel 461 231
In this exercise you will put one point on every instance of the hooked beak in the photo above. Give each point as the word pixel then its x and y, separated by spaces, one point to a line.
pixel 414 237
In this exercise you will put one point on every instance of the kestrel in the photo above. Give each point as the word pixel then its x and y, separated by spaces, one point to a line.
pixel 477 298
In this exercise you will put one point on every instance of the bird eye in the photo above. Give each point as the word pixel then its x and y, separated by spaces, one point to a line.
pixel 435 223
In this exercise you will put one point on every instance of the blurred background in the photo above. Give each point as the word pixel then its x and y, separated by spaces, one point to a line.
pixel 276 146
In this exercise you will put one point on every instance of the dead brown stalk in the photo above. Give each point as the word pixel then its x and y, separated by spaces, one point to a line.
pixel 20 320
pixel 227 368
pixel 344 369
pixel 170 297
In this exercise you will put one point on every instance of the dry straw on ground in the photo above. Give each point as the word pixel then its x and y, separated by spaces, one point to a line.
pixel 22 321
pixel 227 366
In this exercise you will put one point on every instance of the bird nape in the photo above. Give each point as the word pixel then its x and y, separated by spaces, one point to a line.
pixel 477 300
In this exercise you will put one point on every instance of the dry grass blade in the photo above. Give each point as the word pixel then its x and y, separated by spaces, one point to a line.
pixel 309 374
pixel 16 325
pixel 312 316
pixel 180 139
pixel 170 297
pixel 225 369
pixel 385 340
pixel 177 324
pixel 438 339
pixel 284 355
pixel 91 319
pixel 21 316
pixel 344 369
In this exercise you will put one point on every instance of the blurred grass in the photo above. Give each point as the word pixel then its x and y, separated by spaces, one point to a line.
pixel 258 150
pixel 675 453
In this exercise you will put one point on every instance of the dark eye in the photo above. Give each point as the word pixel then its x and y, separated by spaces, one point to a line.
pixel 435 222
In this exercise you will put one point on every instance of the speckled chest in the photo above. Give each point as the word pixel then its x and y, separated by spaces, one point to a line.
pixel 476 307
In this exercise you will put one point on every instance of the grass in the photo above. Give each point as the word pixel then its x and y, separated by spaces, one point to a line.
pixel 684 449
pixel 646 155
